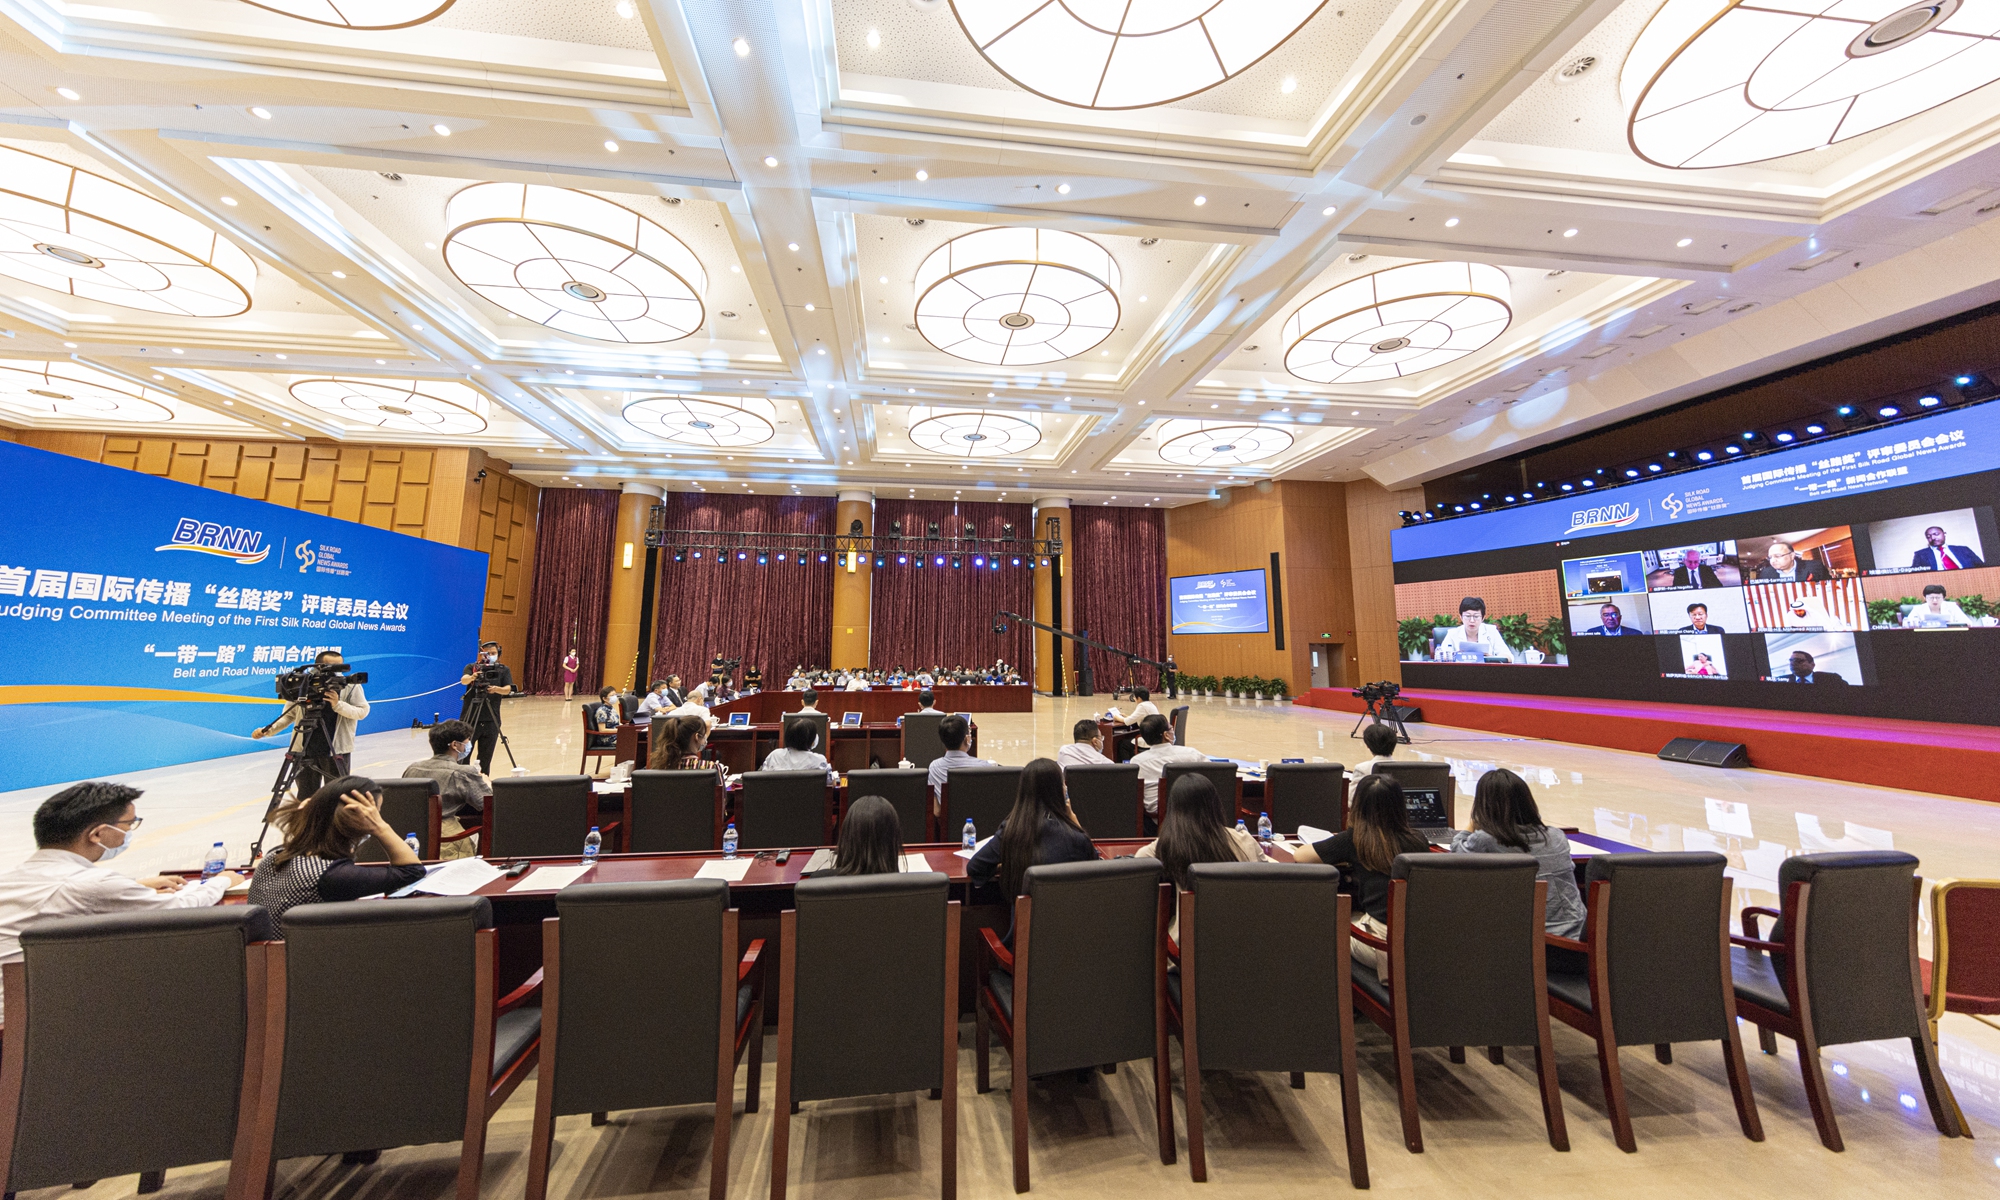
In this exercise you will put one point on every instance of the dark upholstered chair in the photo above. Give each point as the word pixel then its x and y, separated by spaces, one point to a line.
pixel 635 972
pixel 669 811
pixel 1963 974
pixel 777 809
pixel 821 723
pixel 1841 967
pixel 1652 969
pixel 540 816
pixel 1108 800
pixel 1177 720
pixel 1465 969
pixel 410 806
pixel 1083 986
pixel 599 742
pixel 921 745
pixel 423 972
pixel 1425 775
pixel 983 795
pixel 868 1001
pixel 1222 774
pixel 98 1024
pixel 905 790
pixel 1312 794
pixel 1239 1007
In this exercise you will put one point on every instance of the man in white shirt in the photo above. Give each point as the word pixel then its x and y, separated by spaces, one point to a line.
pixel 1473 633
pixel 1160 750
pixel 1936 610
pixel 952 733
pixel 1140 711
pixel 1087 748
pixel 810 708
pixel 656 702
pixel 78 830
pixel 857 682
pixel 929 703
pixel 797 754
pixel 1381 742
pixel 696 706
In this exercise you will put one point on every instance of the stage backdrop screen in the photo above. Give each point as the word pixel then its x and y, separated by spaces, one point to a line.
pixel 1219 602
pixel 1856 566
pixel 144 622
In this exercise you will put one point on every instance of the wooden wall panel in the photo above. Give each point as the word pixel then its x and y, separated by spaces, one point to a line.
pixel 1371 516
pixel 1237 532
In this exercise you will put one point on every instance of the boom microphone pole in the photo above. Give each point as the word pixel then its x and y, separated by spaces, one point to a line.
pixel 1129 657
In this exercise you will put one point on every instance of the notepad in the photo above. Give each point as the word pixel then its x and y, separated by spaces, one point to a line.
pixel 550 879
pixel 976 847
pixel 459 877
pixel 1309 834
pixel 730 869
pixel 823 860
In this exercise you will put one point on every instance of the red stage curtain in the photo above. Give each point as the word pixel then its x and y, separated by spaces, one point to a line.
pixel 935 616
pixel 776 616
pixel 1119 556
pixel 573 535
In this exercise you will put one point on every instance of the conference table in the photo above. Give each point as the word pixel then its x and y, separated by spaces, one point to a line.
pixel 885 704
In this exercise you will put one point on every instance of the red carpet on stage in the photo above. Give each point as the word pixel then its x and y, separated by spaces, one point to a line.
pixel 1917 756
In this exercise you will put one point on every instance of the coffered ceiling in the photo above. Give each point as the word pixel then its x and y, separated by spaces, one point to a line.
pixel 982 248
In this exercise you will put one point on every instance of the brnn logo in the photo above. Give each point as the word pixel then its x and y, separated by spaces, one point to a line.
pixel 1608 516
pixel 245 546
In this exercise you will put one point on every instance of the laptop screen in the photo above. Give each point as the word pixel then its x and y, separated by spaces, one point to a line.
pixel 1425 806
pixel 739 718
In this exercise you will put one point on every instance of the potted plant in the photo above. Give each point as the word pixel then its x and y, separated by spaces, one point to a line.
pixel 1280 690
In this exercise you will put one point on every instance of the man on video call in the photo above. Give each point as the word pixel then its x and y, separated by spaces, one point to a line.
pixel 1698 621
pixel 1782 562
pixel 1803 672
pixel 1612 623
pixel 1940 557
pixel 1693 572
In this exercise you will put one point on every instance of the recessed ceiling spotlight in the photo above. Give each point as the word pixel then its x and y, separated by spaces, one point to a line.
pixel 230 201
pixel 1200 200
pixel 340 274
pixel 1062 189
pixel 441 130
pixel 809 308
pixel 1684 243
pixel 260 112
pixel 68 93
pixel 1452 223
pixel 1569 233
pixel 883 279
pixel 625 10
pixel 791 246
pixel 874 39
pixel 1327 211
pixel 770 160
pixel 69 345
pixel 742 48
pixel 611 145
pixel 1290 85
pixel 923 175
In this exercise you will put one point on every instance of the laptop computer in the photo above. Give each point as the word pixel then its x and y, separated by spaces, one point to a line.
pixel 739 718
pixel 1425 807
pixel 850 719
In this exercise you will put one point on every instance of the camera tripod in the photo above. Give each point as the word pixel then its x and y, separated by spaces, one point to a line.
pixel 481 705
pixel 1383 710
pixel 310 749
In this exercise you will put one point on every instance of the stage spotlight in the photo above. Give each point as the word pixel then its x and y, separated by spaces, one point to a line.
pixel 920 560
pixel 1845 410
pixel 902 560
pixel 1732 449
pixel 1786 435
pixel 1930 402
pixel 979 562
pixel 1815 430
pixel 822 558
pixel 1510 497
pixel 740 556
pixel 1458 508
pixel 934 528
pixel 1749 435
pixel 781 557
pixel 881 560
pixel 1567 487
pixel 1590 483
pixel 940 561
pixel 1887 411
pixel 1962 380
pixel 895 529
pixel 971 530
pixel 764 560
pixel 1703 456
pixel 1631 472
pixel 1016 562
pixel 1655 467
pixel 995 564
pixel 697 556
pixel 854 527
pixel 1006 531
pixel 956 562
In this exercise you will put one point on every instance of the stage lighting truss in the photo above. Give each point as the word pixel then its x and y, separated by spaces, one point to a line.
pixel 68 230
pixel 357 14
pixel 1194 443
pixel 1109 54
pixel 716 421
pixel 1017 297
pixel 1715 83
pixel 428 406
pixel 72 390
pixel 1397 322
pixel 574 262
pixel 974 433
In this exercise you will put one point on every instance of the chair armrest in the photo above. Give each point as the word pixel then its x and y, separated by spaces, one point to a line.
pixel 1002 957
pixel 530 989
pixel 1173 949
pixel 461 835
pixel 1750 915
pixel 749 965
pixel 1362 935
pixel 1754 944
pixel 1565 943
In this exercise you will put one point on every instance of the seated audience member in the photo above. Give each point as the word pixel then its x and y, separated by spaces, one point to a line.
pixel 655 703
pixel 1086 745
pixel 462 790
pixel 797 754
pixel 1140 711
pixel 77 831
pixel 857 682
pixel 797 681
pixel 1378 829
pixel 952 733
pixel 1160 750
pixel 1040 829
pixel 929 703
pixel 811 703
pixel 1197 828
pixel 677 744
pixel 600 720
pixel 870 842
pixel 1381 742
pixel 673 695
pixel 696 706
pixel 1506 821
pixel 315 865
pixel 1936 610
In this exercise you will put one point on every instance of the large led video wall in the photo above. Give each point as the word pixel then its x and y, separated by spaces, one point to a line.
pixel 1855 566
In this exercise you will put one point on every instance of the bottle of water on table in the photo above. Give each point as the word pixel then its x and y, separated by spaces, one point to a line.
pixel 971 837
pixel 592 843
pixel 416 847
pixel 1241 827
pixel 216 863
pixel 729 840
pixel 1263 827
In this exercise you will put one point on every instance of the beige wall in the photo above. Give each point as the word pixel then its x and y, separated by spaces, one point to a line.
pixel 1371 515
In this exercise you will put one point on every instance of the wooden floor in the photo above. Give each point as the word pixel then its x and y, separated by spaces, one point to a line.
pixel 1482 1125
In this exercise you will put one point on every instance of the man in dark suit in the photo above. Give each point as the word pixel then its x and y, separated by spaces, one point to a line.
pixel 1695 573
pixel 1939 557
pixel 1803 672
pixel 1698 621
pixel 1782 562
pixel 1613 623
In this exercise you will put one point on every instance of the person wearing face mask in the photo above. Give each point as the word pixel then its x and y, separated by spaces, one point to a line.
pixel 79 830
pixel 462 790
pixel 487 681
pixel 316 863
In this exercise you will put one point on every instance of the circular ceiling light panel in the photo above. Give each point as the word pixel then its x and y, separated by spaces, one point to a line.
pixel 1214 444
pixel 1017 297
pixel 574 262
pixel 71 231
pixel 1127 53
pixel 74 391
pixel 403 405
pixel 973 433
pixel 1397 322
pixel 357 14
pixel 1716 83
pixel 705 421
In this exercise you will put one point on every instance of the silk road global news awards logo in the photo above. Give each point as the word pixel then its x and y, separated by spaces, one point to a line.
pixel 1606 516
pixel 244 546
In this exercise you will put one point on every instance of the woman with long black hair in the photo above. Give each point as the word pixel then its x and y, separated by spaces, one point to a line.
pixel 1039 830
pixel 1195 828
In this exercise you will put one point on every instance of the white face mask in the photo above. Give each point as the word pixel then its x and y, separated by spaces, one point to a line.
pixel 111 852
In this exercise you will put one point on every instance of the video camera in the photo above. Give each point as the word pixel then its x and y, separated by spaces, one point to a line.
pixel 308 684
pixel 1373 694
pixel 485 677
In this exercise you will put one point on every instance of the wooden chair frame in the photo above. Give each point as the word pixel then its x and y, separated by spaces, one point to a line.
pixel 990 954
pixel 1394 1020
pixel 1940 965
pixel 1599 1022
pixel 732 1039
pixel 1788 957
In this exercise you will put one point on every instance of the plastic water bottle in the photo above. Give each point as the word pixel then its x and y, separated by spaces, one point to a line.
pixel 592 842
pixel 1241 827
pixel 971 837
pixel 216 863
pixel 1263 827
pixel 729 840
pixel 416 847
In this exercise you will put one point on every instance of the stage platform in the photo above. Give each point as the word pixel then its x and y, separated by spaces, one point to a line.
pixel 1918 756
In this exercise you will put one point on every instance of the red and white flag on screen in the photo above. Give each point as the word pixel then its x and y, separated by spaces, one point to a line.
pixel 1819 604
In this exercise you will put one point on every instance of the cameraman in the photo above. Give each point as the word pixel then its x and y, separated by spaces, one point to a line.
pixel 491 678
pixel 337 709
